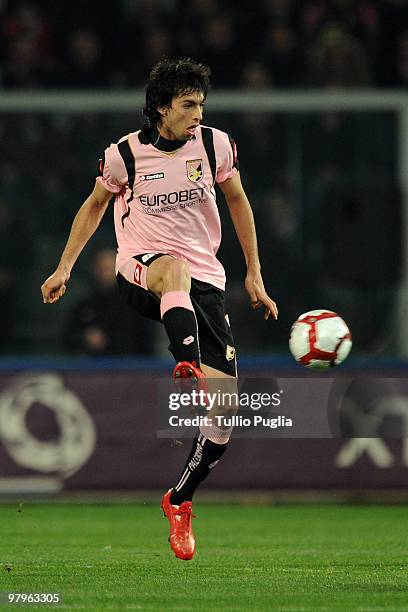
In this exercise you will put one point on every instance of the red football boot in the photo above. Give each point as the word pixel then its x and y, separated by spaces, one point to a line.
pixel 181 538
pixel 188 377
pixel 185 369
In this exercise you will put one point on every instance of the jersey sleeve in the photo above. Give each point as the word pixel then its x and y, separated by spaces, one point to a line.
pixel 226 155
pixel 112 170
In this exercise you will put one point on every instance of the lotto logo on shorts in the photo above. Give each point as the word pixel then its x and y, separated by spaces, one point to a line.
pixel 188 340
pixel 138 274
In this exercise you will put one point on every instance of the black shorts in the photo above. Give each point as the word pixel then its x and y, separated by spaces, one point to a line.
pixel 214 332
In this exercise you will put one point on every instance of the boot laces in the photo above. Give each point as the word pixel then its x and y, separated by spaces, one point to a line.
pixel 185 514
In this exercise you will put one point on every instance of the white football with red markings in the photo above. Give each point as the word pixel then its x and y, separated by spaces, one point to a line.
pixel 320 339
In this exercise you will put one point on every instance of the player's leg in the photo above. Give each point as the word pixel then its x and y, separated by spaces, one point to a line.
pixel 219 367
pixel 166 277
pixel 212 439
pixel 207 449
pixel 169 279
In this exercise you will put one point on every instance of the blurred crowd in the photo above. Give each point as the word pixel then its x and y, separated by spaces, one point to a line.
pixel 273 43
pixel 320 185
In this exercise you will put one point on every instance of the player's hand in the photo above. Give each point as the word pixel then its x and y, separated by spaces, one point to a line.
pixel 55 286
pixel 258 296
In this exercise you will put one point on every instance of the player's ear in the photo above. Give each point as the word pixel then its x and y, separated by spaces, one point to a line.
pixel 163 110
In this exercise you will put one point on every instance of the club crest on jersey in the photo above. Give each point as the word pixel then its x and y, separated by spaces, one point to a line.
pixel 195 169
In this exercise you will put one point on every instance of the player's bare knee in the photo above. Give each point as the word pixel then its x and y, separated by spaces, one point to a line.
pixel 176 276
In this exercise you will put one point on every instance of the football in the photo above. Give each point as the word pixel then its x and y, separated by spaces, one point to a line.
pixel 320 339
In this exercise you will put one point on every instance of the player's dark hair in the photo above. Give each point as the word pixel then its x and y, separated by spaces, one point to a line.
pixel 170 78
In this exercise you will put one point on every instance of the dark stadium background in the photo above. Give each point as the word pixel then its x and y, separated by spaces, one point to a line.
pixel 329 201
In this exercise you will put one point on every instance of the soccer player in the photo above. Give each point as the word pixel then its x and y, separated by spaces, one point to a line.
pixel 168 233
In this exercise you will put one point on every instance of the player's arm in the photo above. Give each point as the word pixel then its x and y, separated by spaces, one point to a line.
pixel 83 227
pixel 243 220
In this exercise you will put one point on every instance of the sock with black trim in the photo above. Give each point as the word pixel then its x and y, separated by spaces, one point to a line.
pixel 203 457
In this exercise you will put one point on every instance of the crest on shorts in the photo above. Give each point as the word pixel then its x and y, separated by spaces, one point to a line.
pixel 195 169
pixel 230 353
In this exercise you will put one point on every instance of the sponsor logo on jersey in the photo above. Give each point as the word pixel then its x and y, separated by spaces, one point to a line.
pixel 152 177
pixel 195 170
pixel 174 197
pixel 230 353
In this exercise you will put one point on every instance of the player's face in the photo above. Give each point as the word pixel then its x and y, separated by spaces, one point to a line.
pixel 182 117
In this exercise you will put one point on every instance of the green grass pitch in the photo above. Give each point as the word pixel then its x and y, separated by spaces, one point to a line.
pixel 249 557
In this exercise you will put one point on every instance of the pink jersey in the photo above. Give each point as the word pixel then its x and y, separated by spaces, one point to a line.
pixel 172 207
